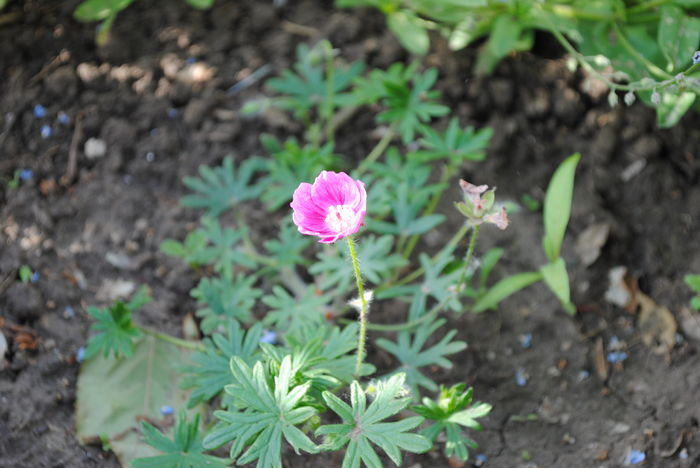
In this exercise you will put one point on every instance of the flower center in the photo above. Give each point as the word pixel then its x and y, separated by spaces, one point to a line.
pixel 340 218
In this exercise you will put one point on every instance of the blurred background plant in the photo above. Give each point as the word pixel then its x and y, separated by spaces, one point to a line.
pixel 638 48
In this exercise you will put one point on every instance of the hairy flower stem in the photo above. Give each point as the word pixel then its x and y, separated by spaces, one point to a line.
pixel 468 258
pixel 363 307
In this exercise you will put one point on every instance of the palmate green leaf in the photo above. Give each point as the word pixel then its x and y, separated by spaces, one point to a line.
pixel 290 165
pixel 190 250
pixel 376 86
pixel 223 249
pixel 411 352
pixel 406 210
pixel 272 411
pixel 288 248
pixel 455 144
pixel 374 254
pixel 113 331
pixel 452 409
pixel 113 395
pixel 557 206
pixel 288 312
pixel 210 371
pixel 224 299
pixel 693 282
pixel 439 277
pixel 408 108
pixel 183 451
pixel 362 426
pixel 220 188
pixel 305 87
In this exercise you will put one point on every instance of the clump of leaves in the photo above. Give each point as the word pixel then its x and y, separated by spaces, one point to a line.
pixel 114 332
pixel 693 281
pixel 184 450
pixel 452 411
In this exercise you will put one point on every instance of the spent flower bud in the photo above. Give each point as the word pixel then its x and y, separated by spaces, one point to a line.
pixel 478 205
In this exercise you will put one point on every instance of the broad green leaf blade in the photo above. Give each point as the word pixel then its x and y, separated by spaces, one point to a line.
pixel 114 394
pixel 557 279
pixel 504 38
pixel 673 106
pixel 557 206
pixel 678 37
pixel 409 31
pixel 200 4
pixel 96 10
pixel 693 281
pixel 505 288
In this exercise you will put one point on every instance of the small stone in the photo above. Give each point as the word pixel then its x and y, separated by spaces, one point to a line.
pixel 68 312
pixel 46 131
pixel 616 356
pixel 63 118
pixel 80 354
pixel 269 337
pixel 635 457
pixel 521 377
pixel 39 111
pixel 166 410
pixel 525 340
pixel 26 174
pixel 95 148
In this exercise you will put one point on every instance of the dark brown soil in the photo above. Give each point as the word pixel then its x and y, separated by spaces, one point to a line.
pixel 126 203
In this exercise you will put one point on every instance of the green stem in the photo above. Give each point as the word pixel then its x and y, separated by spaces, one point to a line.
pixel 363 308
pixel 171 339
pixel 377 150
pixel 646 6
pixel 566 11
pixel 468 258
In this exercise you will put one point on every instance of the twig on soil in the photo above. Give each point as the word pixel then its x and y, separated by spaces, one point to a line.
pixel 250 80
pixel 60 59
pixel 73 151
pixel 299 29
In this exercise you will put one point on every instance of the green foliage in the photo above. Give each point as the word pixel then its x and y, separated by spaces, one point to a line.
pixel 222 187
pixel 288 248
pixel 364 425
pixel 269 411
pixel 210 371
pixel 184 450
pixel 289 312
pixel 25 273
pixel 334 267
pixel 409 348
pixel 113 331
pixel 406 210
pixel 557 206
pixel 290 164
pixel 452 409
pixel 505 288
pixel 225 298
pixel 557 279
pixel 455 144
pixel 693 281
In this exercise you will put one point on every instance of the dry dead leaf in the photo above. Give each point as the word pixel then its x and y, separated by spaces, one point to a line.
pixel 656 325
pixel 590 241
pixel 599 361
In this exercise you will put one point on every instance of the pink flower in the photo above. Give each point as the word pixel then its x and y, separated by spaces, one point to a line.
pixel 473 192
pixel 332 208
pixel 499 218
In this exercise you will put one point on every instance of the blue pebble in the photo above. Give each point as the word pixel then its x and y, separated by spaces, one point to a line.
pixel 520 378
pixel 166 410
pixel 683 454
pixel 80 354
pixel 172 113
pixel 46 131
pixel 634 457
pixel 616 356
pixel 269 337
pixel 481 459
pixel 154 132
pixel 26 174
pixel 696 57
pixel 583 375
pixel 190 60
pixel 69 312
pixel 63 118
pixel 526 340
pixel 39 111
pixel 35 277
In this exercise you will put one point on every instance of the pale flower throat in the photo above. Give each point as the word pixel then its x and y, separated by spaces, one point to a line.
pixel 340 218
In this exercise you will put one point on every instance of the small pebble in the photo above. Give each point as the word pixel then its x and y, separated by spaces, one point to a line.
pixel 520 377
pixel 269 337
pixel 583 375
pixel 166 410
pixel 635 457
pixel 190 60
pixel 480 459
pixel 80 354
pixel 35 277
pixel 150 156
pixel 39 111
pixel 154 131
pixel 172 113
pixel 614 342
pixel 69 312
pixel 525 340
pixel 683 454
pixel 63 118
pixel 95 148
pixel 26 174
pixel 46 132
pixel 616 356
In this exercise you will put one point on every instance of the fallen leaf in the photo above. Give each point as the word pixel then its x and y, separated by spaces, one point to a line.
pixel 599 361
pixel 590 241
pixel 656 325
